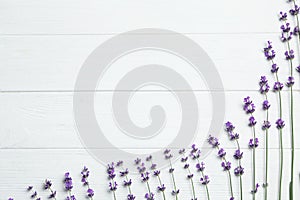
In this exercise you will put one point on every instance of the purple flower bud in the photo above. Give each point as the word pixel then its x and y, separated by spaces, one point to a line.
pixel 204 180
pixel 290 82
pixel 256 188
pixel 175 193
pixel 282 16
pixel 130 197
pixel 266 125
pixel 156 173
pixel 249 107
pixel 277 86
pixel 285 28
pixel 161 188
pixel 221 153
pixel 264 86
pixel 226 165
pixel 298 69
pixel 266 105
pixel 113 186
pixel 238 171
pixel 90 193
pixel 280 124
pixel 68 182
pixel 289 55
pixel 253 144
pixel 296 31
pixel 149 196
pixel 213 141
pixel 149 158
pixel 252 121
pixel 127 183
pixel 238 154
pixel 229 127
pixel 295 10
pixel 285 38
pixel 274 68
pixel 137 161
pixel 189 176
pixel 200 166
pixel 181 151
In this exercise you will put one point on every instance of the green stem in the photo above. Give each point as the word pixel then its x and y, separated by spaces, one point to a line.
pixel 229 175
pixel 164 196
pixel 253 162
pixel 206 187
pixel 266 156
pixel 240 164
pixel 173 179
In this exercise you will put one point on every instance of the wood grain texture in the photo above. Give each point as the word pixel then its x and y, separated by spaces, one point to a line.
pixel 43 45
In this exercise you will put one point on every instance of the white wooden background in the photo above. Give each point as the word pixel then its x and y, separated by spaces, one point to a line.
pixel 43 45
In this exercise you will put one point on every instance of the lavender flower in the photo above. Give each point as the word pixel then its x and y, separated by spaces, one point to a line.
pixel 47 186
pixel 266 105
pixel 266 125
pixel 252 123
pixel 225 164
pixel 290 82
pixel 298 69
pixel 68 186
pixel 168 156
pixel 200 166
pixel 280 124
pixel 249 107
pixel 145 179
pixel 34 195
pixel 282 16
pixel 195 155
pixel 274 68
pixel 84 179
pixel 253 143
pixel 294 11
pixel 127 182
pixel 277 86
pixel 113 186
pixel 264 86
pixel 289 55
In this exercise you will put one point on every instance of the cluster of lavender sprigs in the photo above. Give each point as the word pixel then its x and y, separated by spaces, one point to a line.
pixel 289 37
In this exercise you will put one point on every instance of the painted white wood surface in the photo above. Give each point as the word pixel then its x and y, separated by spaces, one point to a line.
pixel 43 45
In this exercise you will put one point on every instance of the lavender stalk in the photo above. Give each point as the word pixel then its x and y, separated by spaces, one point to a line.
pixel 161 188
pixel 168 156
pixel 238 155
pixel 111 175
pixel 278 86
pixel 214 142
pixel 47 186
pixel 84 179
pixel 186 166
pixel 200 166
pixel 249 108
pixel 264 89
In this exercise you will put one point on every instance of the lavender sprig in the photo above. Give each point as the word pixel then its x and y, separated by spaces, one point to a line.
pixel 127 182
pixel 47 186
pixel 200 166
pixel 264 89
pixel 249 108
pixel 111 177
pixel 69 186
pixel 84 179
pixel 294 12
pixel 239 170
pixel 186 166
pixel 34 195
pixel 214 142
pixel 168 156
pixel 278 86
pixel 145 178
pixel 161 188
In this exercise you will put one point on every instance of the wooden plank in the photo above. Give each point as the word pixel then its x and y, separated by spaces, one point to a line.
pixel 110 17
pixel 52 63
pixel 46 120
